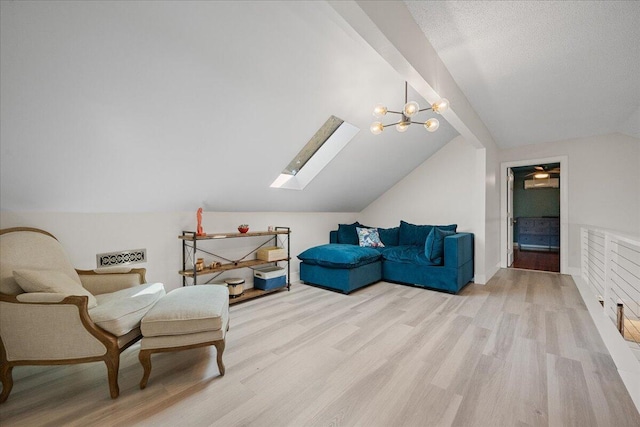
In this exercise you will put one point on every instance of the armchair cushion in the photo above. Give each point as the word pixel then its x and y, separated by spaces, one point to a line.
pixel 40 297
pixel 51 281
pixel 121 311
pixel 104 281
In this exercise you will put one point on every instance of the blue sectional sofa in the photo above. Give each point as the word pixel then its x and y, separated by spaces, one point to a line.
pixel 434 257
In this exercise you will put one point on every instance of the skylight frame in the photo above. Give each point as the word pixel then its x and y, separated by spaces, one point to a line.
pixel 323 146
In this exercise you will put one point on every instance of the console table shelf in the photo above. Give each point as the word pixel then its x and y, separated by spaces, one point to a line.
pixel 254 293
pixel 192 246
pixel 231 266
pixel 191 236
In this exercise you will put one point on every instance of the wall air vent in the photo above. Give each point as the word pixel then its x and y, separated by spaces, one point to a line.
pixel 323 146
pixel 541 183
pixel 132 256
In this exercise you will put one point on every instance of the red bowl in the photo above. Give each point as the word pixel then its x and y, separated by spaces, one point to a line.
pixel 243 229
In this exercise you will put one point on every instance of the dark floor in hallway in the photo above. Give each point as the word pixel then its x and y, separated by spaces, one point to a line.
pixel 536 260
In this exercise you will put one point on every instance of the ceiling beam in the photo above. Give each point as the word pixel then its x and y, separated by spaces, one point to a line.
pixel 390 29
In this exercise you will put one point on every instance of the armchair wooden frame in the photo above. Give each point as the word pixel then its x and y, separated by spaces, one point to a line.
pixel 111 356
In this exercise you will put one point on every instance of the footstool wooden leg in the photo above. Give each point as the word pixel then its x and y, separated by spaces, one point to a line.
pixel 145 361
pixel 220 349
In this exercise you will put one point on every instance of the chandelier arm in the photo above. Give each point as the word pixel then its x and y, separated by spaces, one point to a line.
pixel 390 124
pixel 395 112
pixel 417 123
pixel 426 109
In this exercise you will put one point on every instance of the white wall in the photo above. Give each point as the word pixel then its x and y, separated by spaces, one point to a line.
pixel 436 192
pixel 443 190
pixel 492 212
pixel 85 235
pixel 122 106
pixel 603 183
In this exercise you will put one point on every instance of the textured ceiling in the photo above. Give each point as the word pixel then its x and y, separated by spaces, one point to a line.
pixel 538 71
pixel 168 106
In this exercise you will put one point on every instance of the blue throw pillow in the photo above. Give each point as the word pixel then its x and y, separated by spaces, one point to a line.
pixel 347 233
pixel 411 234
pixel 369 238
pixel 434 245
pixel 389 236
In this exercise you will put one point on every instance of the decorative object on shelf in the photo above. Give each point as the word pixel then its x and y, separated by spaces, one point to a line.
pixel 199 230
pixel 268 278
pixel 270 228
pixel 271 253
pixel 243 228
pixel 410 109
pixel 200 264
pixel 215 264
pixel 236 287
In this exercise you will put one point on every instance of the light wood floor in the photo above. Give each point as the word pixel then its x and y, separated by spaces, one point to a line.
pixel 520 351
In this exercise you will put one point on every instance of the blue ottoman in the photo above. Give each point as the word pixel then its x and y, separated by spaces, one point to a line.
pixel 340 267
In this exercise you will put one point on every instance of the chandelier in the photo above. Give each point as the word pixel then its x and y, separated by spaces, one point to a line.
pixel 408 112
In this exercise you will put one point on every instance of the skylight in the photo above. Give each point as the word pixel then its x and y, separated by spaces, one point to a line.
pixel 323 146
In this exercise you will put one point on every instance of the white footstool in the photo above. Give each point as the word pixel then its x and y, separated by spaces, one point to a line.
pixel 188 317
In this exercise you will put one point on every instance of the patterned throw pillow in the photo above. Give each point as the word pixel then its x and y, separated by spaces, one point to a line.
pixel 369 238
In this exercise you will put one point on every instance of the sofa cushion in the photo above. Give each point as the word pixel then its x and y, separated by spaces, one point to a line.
pixel 369 238
pixel 434 246
pixel 406 254
pixel 338 255
pixel 347 233
pixel 121 311
pixel 411 234
pixel 51 281
pixel 389 236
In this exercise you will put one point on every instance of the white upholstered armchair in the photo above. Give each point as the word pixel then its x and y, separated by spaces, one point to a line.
pixel 52 314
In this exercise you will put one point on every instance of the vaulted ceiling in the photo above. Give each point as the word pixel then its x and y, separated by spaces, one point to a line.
pixel 168 106
pixel 540 71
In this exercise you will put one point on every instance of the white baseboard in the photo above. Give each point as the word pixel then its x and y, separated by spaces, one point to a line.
pixel 295 277
pixel 482 279
pixel 574 271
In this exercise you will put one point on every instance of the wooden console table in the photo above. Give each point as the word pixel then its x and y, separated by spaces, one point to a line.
pixel 192 245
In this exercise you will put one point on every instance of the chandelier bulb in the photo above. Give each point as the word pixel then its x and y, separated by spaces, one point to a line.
pixel 376 128
pixel 379 110
pixel 440 106
pixel 402 126
pixel 432 125
pixel 411 109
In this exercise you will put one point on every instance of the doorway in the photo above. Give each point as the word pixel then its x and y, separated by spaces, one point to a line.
pixel 535 199
pixel 534 247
